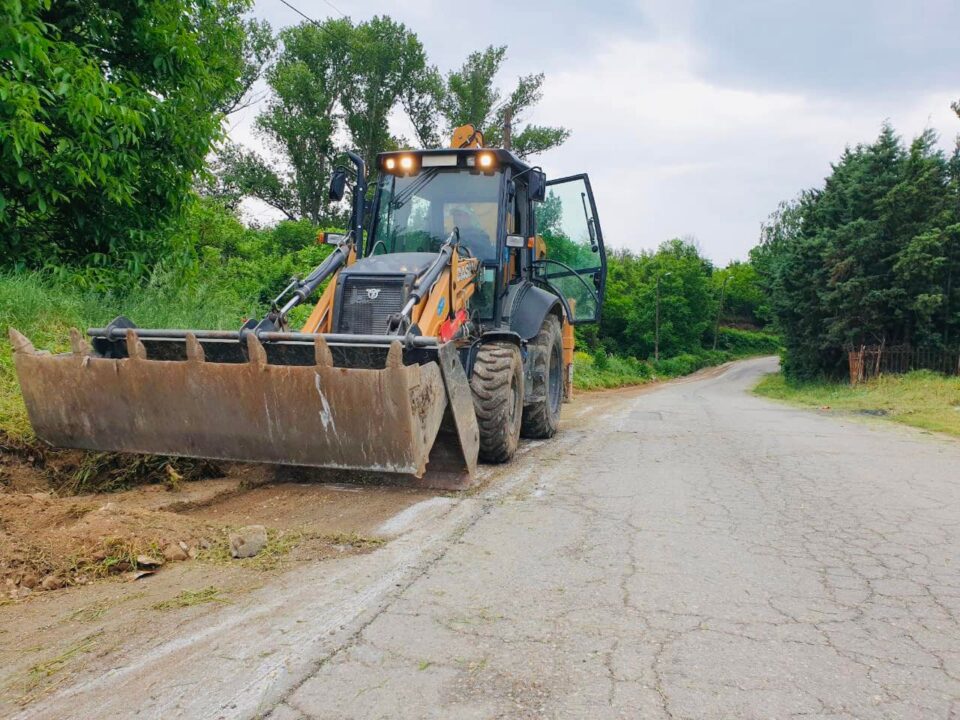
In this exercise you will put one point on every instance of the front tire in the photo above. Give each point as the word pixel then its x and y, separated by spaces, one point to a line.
pixel 497 386
pixel 542 417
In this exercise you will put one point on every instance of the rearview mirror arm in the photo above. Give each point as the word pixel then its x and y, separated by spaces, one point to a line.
pixel 359 201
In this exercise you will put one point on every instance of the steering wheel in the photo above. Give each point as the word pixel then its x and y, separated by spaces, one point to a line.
pixel 478 242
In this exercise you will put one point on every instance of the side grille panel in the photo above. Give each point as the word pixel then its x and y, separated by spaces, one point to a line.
pixel 367 303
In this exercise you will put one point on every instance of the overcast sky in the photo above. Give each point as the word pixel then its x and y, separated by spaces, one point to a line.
pixel 695 117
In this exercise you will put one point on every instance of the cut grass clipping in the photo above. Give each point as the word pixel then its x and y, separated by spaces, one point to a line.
pixel 921 399
pixel 111 472
pixel 189 598
pixel 40 676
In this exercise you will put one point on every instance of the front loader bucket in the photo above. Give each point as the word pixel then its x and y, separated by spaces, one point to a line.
pixel 381 420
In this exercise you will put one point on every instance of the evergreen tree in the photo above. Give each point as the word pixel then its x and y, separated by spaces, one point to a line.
pixel 871 258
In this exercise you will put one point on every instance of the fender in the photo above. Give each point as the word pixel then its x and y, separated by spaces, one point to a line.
pixel 501 336
pixel 530 307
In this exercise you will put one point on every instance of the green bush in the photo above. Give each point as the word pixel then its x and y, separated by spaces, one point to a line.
pixel 748 342
pixel 600 360
pixel 616 371
pixel 597 369
pixel 683 364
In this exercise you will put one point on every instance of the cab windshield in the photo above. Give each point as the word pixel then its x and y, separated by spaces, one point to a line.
pixel 418 213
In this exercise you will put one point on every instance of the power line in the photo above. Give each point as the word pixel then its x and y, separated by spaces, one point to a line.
pixel 344 43
pixel 335 8
pixel 302 14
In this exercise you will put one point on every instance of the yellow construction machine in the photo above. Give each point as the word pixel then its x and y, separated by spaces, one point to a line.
pixel 442 333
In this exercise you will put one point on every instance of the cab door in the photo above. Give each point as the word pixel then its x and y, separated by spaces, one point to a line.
pixel 573 264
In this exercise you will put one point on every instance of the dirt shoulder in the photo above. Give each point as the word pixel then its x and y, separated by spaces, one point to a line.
pixel 83 576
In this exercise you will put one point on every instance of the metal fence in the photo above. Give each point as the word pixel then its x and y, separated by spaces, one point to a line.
pixel 874 360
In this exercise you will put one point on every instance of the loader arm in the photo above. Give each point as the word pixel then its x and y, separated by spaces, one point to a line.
pixel 321 316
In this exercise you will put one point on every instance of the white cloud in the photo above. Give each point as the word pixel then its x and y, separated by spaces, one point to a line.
pixel 672 154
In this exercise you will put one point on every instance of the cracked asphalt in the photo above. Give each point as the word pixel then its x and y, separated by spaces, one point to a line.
pixel 691 552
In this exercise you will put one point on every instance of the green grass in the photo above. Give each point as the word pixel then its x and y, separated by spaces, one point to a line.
pixel 921 399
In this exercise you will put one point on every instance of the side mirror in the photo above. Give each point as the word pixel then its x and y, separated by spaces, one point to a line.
pixel 537 186
pixel 511 191
pixel 329 238
pixel 338 184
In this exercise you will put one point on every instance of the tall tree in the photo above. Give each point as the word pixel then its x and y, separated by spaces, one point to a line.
pixel 744 300
pixel 327 77
pixel 385 60
pixel 421 102
pixel 688 301
pixel 108 111
pixel 308 79
pixel 258 49
pixel 860 242
pixel 470 95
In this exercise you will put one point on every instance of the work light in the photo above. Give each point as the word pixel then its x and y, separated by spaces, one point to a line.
pixel 406 164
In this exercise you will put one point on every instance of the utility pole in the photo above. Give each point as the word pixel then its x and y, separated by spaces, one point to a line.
pixel 656 334
pixel 716 327
pixel 507 128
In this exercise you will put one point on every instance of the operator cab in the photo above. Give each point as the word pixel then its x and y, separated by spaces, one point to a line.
pixel 522 228
pixel 421 197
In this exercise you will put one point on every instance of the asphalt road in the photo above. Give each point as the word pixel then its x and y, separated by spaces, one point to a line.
pixel 688 552
pixel 699 553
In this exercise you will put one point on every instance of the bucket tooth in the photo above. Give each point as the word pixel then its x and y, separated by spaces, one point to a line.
pixel 78 343
pixel 255 350
pixel 395 355
pixel 321 352
pixel 20 342
pixel 194 349
pixel 135 348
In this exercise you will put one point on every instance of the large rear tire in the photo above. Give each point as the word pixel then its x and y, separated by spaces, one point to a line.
pixel 542 417
pixel 497 385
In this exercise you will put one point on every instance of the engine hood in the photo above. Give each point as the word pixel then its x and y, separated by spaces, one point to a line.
pixel 411 263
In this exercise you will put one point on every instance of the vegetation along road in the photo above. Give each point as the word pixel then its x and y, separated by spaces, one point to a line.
pixel 687 550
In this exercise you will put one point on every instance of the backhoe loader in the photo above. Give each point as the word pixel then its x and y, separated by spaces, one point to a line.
pixel 442 333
